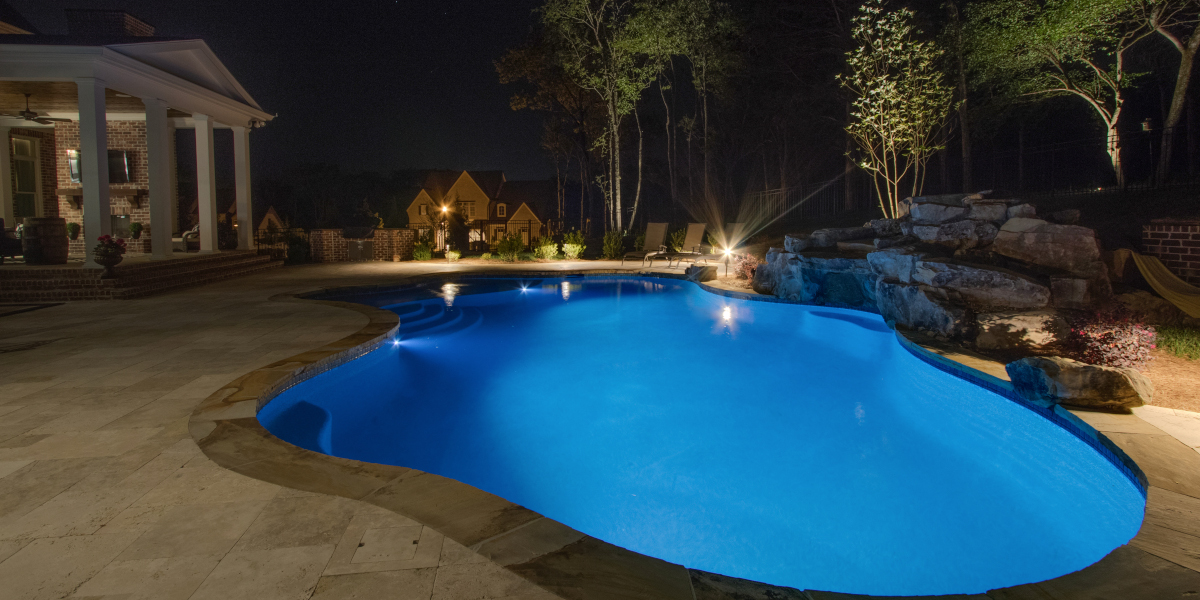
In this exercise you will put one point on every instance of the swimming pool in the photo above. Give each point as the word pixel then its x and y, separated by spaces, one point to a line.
pixel 798 446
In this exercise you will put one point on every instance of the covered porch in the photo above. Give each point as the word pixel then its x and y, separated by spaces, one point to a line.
pixel 97 143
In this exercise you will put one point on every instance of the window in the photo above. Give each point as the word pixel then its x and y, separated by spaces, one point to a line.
pixel 423 209
pixel 468 210
pixel 501 210
pixel 25 178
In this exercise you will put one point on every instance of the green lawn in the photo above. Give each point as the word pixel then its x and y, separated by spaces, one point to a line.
pixel 1180 341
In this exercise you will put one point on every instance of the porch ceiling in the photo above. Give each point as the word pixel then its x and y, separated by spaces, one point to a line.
pixel 62 97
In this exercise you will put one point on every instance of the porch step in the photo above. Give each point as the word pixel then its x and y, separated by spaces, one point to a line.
pixel 133 281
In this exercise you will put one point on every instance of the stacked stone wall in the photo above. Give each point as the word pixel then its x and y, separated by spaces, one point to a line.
pixel 1177 245
pixel 328 245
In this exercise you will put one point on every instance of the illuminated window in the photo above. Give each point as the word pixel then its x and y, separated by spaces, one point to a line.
pixel 26 178
pixel 501 210
pixel 423 210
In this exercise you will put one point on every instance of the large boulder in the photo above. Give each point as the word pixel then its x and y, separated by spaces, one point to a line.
pixel 953 235
pixel 1068 248
pixel 884 227
pixel 1056 380
pixel 987 210
pixel 1080 293
pixel 933 213
pixel 822 279
pixel 895 263
pixel 1070 216
pixel 1022 211
pixel 828 238
pixel 920 307
pixel 1033 331
pixel 984 288
pixel 796 242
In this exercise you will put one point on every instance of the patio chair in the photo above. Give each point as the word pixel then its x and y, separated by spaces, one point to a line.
pixel 10 244
pixel 691 244
pixel 656 234
pixel 180 244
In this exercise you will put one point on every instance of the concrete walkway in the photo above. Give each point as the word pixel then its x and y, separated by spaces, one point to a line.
pixel 104 493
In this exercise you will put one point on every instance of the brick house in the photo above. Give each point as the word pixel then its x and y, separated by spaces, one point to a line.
pixel 485 201
pixel 96 145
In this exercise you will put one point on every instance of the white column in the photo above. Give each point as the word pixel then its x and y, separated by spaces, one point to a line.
pixel 6 183
pixel 241 176
pixel 158 161
pixel 93 163
pixel 206 182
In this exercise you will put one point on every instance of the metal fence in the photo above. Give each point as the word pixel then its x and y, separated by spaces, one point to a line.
pixel 826 198
pixel 275 242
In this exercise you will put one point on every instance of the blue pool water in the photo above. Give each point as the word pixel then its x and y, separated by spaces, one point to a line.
pixel 799 446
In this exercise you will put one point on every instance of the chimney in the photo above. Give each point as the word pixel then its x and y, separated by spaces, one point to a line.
pixel 89 23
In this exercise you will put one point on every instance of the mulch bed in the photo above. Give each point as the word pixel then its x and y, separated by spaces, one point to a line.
pixel 1176 381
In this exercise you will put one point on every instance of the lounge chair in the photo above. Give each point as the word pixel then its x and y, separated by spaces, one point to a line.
pixel 656 234
pixel 691 244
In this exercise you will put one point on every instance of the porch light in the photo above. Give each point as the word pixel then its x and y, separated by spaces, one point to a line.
pixel 444 209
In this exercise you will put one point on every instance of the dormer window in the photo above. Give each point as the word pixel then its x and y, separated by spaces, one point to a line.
pixel 501 210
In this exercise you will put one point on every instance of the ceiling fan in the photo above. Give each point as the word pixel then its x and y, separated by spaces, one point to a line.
pixel 29 115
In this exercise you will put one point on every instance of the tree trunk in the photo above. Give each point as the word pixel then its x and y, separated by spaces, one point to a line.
pixel 670 147
pixel 848 203
pixel 637 195
pixel 964 125
pixel 1114 153
pixel 1178 100
pixel 1191 136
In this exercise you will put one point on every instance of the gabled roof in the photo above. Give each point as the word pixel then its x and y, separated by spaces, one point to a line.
pixel 488 181
pixel 539 194
pixel 192 60
pixel 438 182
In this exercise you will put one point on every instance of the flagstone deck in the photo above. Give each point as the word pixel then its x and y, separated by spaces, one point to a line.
pixel 104 492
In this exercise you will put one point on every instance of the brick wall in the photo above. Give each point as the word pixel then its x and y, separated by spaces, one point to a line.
pixel 328 245
pixel 129 136
pixel 1177 245
pixel 49 174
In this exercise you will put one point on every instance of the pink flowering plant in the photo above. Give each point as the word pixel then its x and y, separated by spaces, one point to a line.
pixel 109 245
pixel 1112 338
pixel 744 265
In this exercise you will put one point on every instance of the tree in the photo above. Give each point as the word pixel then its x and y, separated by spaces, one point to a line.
pixel 900 101
pixel 1176 21
pixel 1060 47
pixel 600 50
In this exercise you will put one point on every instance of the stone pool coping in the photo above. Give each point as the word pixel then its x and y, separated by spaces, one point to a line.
pixel 548 553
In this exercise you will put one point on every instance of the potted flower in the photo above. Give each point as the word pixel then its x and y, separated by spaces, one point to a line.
pixel 73 231
pixel 108 254
pixel 135 231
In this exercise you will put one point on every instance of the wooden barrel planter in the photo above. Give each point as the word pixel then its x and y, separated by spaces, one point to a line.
pixel 44 241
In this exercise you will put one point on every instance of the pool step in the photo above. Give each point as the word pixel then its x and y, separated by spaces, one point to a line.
pixel 447 321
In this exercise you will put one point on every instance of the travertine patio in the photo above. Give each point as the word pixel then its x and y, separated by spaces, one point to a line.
pixel 105 494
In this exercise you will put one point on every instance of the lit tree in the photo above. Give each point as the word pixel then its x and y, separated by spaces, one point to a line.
pixel 900 101
pixel 1060 47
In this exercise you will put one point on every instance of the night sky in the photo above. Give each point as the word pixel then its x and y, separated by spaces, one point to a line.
pixel 367 85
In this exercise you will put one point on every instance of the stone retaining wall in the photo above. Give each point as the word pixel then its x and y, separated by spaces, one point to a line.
pixel 1177 245
pixel 328 245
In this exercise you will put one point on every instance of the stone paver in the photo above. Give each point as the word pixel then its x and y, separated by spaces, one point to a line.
pixel 104 493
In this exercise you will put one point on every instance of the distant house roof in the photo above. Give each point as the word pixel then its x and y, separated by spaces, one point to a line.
pixel 439 181
pixel 489 181
pixel 539 194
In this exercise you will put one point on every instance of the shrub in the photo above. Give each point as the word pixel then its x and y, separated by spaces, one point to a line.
pixel 639 242
pixel 678 237
pixel 486 256
pixel 714 242
pixel 422 251
pixel 525 256
pixel 135 230
pixel 1110 337
pixel 510 246
pixel 744 266
pixel 453 255
pixel 573 245
pixel 614 245
pixel 547 248
pixel 1180 341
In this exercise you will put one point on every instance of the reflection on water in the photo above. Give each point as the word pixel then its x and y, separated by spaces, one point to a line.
pixel 449 291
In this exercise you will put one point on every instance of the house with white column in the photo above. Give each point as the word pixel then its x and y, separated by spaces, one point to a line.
pixel 90 123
